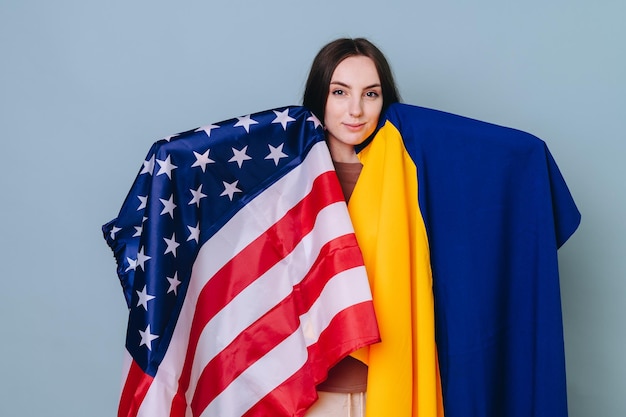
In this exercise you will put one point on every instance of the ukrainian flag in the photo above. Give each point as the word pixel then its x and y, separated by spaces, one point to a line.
pixel 459 222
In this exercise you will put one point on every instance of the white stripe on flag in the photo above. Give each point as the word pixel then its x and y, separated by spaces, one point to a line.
pixel 342 291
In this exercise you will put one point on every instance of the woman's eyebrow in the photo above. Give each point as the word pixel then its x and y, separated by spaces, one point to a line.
pixel 341 83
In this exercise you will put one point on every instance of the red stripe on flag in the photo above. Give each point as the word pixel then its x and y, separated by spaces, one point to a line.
pixel 282 398
pixel 276 325
pixel 135 389
pixel 238 273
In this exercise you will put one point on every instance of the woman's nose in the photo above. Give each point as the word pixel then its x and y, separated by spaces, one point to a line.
pixel 356 107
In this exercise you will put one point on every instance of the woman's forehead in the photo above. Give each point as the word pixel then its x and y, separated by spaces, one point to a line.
pixel 356 71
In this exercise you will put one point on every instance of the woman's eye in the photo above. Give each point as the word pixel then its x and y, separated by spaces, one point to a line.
pixel 338 92
pixel 372 94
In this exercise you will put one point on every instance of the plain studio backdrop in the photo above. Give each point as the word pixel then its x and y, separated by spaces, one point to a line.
pixel 86 87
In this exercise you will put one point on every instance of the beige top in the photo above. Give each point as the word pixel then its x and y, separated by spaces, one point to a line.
pixel 350 374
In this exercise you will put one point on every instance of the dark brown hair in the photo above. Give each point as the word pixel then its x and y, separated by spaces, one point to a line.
pixel 327 59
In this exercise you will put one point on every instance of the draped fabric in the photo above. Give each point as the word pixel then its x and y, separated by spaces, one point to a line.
pixel 242 274
pixel 242 294
pixel 459 222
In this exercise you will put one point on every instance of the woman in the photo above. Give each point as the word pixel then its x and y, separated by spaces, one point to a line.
pixel 349 85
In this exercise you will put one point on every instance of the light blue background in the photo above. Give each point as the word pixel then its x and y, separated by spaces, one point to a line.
pixel 86 87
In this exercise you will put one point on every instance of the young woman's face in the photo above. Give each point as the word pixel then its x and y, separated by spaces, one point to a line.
pixel 353 106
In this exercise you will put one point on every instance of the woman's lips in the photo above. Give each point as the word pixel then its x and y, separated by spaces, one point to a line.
pixel 354 126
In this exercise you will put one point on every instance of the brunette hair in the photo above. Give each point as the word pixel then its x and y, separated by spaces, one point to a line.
pixel 327 59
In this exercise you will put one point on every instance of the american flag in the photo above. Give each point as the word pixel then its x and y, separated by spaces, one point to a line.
pixel 241 271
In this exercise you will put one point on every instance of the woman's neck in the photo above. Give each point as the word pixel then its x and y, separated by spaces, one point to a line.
pixel 341 152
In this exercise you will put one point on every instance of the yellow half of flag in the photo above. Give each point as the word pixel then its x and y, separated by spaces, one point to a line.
pixel 403 378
